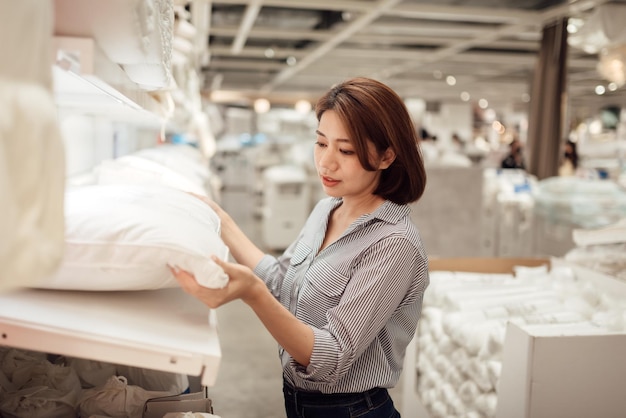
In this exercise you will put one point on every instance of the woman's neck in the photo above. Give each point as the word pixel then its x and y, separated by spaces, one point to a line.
pixel 354 208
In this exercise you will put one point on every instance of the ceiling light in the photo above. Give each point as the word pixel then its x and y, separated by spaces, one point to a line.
pixel 451 80
pixel 595 127
pixel 483 103
pixel 612 86
pixel 261 105
pixel 574 24
pixel 291 61
pixel 600 90
pixel 612 64
pixel 525 97
pixel 269 53
pixel 602 28
pixel 303 106
pixel 465 96
pixel 498 127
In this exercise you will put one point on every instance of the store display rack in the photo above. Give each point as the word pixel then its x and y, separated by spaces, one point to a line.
pixel 164 330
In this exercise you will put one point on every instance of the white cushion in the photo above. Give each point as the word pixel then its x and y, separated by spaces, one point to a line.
pixel 122 237
pixel 131 169
pixel 173 157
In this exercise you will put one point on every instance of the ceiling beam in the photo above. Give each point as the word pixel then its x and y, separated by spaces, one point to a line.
pixel 249 16
pixel 378 8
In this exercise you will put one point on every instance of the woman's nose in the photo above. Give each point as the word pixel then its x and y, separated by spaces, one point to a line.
pixel 326 159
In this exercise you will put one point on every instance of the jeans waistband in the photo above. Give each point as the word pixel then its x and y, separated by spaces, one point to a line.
pixel 371 397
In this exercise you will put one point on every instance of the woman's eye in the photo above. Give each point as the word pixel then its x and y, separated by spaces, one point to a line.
pixel 346 152
pixel 319 144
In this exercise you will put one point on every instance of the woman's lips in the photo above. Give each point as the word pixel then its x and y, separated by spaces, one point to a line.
pixel 328 182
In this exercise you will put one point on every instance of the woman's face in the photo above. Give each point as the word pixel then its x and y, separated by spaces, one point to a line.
pixel 568 149
pixel 337 163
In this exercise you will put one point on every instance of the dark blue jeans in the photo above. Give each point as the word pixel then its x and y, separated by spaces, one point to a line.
pixel 375 403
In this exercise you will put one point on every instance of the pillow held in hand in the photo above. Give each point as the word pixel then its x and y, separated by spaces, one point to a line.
pixel 122 237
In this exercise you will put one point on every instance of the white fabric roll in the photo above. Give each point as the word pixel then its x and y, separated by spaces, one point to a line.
pixel 494 370
pixel 459 359
pixel 477 371
pixel 486 403
pixel 468 392
pixel 439 410
pixel 451 399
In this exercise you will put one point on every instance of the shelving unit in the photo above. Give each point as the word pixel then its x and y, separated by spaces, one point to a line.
pixel 164 330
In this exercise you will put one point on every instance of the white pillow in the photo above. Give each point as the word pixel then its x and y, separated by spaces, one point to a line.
pixel 179 161
pixel 122 237
pixel 131 169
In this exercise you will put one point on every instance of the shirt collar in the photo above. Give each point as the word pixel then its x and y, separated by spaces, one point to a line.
pixel 388 212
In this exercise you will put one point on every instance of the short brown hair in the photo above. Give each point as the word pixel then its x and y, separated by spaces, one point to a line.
pixel 371 111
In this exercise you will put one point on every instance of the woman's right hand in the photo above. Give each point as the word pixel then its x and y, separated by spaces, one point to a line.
pixel 242 284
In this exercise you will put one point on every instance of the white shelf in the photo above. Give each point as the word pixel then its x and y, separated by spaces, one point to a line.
pixel 165 330
pixel 86 81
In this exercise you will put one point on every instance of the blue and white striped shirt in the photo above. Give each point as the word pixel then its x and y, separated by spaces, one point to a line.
pixel 361 295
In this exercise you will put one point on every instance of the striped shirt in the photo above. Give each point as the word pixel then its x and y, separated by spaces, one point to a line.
pixel 361 295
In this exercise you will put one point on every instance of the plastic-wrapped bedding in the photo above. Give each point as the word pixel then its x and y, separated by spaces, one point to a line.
pixel 122 237
pixel 137 34
pixel 583 202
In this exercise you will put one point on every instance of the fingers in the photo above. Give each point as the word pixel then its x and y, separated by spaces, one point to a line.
pixel 219 261
pixel 205 199
pixel 187 281
pixel 213 298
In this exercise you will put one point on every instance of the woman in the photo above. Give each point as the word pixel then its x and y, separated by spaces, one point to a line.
pixel 569 164
pixel 515 158
pixel 343 301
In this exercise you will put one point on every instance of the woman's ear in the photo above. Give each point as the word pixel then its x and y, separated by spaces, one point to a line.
pixel 387 159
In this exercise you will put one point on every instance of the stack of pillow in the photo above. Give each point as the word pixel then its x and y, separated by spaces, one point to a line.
pixel 122 232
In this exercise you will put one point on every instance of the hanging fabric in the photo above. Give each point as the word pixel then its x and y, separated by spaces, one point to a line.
pixel 32 156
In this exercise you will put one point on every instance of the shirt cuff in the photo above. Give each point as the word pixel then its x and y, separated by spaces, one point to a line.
pixel 323 364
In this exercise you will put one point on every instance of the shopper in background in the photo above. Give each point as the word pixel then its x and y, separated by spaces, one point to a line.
pixel 569 163
pixel 343 301
pixel 515 157
pixel 458 144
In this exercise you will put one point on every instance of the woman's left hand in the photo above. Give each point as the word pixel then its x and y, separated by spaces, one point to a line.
pixel 242 284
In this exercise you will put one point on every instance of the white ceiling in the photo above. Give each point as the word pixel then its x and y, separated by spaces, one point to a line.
pixel 489 46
